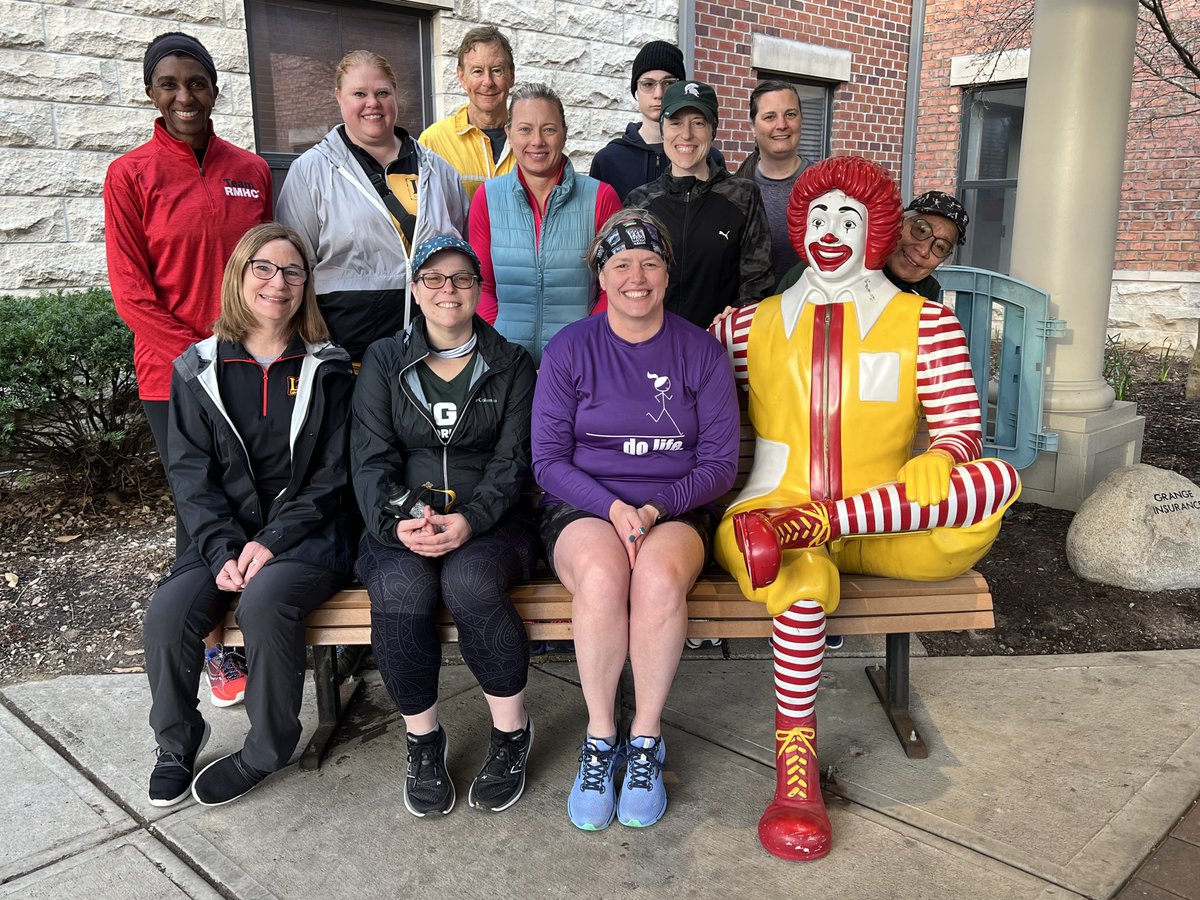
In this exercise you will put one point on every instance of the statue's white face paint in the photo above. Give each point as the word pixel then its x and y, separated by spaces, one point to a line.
pixel 836 239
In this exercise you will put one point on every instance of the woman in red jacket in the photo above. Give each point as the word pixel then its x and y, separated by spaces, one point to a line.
pixel 173 210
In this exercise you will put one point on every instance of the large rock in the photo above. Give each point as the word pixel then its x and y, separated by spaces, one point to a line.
pixel 1140 529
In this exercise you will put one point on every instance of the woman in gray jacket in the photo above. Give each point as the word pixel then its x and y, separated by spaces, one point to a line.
pixel 361 199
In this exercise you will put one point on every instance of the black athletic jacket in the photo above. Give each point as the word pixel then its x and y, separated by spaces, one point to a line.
pixel 212 477
pixel 721 238
pixel 395 448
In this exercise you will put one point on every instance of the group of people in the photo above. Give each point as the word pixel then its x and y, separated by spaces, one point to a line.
pixel 433 324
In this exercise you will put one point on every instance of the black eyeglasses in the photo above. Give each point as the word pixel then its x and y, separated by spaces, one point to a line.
pixel 921 230
pixel 264 270
pixel 436 280
pixel 647 85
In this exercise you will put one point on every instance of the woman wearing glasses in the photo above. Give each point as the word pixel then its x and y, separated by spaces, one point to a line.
pixel 257 435
pixel 440 455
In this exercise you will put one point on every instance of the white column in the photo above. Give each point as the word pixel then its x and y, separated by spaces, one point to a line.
pixel 1065 230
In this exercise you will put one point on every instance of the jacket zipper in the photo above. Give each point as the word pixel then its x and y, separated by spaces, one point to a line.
pixel 445 442
pixel 825 401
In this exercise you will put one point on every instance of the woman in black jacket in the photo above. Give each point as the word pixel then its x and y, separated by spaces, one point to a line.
pixel 257 437
pixel 440 455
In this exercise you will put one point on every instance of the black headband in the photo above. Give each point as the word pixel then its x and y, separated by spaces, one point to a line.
pixel 171 44
pixel 630 233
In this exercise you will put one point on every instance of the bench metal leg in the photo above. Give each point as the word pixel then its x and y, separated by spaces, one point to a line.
pixel 333 697
pixel 891 687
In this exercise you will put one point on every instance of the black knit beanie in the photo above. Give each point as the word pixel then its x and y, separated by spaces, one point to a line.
pixel 657 55
pixel 172 43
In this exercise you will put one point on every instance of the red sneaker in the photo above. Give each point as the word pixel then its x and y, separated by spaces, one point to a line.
pixel 226 675
pixel 795 826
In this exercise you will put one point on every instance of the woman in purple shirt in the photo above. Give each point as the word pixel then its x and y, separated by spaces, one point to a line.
pixel 635 431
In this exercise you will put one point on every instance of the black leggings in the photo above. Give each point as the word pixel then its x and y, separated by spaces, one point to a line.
pixel 473 582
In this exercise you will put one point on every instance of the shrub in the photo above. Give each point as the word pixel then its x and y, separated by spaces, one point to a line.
pixel 68 393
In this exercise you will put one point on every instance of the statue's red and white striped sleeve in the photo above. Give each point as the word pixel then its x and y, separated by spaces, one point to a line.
pixel 945 385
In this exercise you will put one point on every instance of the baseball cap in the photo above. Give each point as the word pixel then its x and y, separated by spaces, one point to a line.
pixel 695 94
pixel 436 244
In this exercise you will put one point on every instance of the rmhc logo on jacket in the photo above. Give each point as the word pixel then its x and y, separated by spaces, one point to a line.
pixel 240 189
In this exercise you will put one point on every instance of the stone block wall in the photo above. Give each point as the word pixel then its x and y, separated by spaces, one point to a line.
pixel 72 100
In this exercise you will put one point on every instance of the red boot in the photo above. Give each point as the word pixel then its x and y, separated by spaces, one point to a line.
pixel 795 825
pixel 763 534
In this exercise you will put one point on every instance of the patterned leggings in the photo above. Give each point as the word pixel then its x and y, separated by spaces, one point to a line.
pixel 472 581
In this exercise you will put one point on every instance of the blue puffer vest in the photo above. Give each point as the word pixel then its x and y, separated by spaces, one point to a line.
pixel 541 290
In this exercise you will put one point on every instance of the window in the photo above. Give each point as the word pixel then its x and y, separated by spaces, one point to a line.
pixel 816 107
pixel 295 46
pixel 991 147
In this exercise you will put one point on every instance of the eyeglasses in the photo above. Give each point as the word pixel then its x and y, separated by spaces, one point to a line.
pixel 647 85
pixel 922 231
pixel 264 270
pixel 436 280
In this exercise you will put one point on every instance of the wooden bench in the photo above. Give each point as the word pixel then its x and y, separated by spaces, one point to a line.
pixel 716 608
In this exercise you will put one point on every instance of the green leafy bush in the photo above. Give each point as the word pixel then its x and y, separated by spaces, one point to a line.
pixel 68 394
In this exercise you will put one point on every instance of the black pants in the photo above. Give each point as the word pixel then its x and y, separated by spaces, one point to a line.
pixel 473 581
pixel 156 415
pixel 271 614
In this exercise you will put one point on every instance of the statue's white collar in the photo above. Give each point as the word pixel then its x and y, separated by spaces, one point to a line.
pixel 869 294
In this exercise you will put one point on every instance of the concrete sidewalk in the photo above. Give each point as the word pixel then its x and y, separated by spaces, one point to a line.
pixel 1047 777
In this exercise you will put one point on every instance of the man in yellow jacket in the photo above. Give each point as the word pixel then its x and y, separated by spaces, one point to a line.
pixel 472 138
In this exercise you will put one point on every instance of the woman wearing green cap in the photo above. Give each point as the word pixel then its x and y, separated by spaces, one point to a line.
pixel 440 456
pixel 717 222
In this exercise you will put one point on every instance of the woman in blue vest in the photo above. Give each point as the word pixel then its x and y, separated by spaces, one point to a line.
pixel 531 228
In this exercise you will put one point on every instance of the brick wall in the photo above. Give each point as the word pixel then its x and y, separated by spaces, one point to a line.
pixel 868 111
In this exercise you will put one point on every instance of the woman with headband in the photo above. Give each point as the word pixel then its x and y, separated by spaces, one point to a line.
pixel 173 210
pixel 635 425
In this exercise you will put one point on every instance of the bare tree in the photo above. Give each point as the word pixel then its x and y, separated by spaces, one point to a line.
pixel 1168 42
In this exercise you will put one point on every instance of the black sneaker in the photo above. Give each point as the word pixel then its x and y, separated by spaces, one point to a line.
pixel 171 780
pixel 501 781
pixel 225 780
pixel 427 784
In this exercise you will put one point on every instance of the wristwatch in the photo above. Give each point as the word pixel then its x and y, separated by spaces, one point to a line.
pixel 659 508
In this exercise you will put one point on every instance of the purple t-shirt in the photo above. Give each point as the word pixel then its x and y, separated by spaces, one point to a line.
pixel 657 420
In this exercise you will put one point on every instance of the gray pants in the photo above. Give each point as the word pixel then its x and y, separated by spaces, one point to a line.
pixel 271 614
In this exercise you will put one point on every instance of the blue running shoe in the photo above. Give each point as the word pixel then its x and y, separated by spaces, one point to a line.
pixel 593 799
pixel 643 796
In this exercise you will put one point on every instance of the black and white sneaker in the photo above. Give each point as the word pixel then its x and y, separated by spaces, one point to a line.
pixel 171 779
pixel 427 785
pixel 225 780
pixel 501 781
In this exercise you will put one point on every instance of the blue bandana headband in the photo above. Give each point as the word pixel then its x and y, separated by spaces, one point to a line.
pixel 630 233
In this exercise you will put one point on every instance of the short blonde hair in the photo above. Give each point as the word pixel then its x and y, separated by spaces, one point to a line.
pixel 236 321
pixel 357 58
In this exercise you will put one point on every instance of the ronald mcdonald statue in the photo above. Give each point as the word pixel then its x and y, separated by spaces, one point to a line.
pixel 839 369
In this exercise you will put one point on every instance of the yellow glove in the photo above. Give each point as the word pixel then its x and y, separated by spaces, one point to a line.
pixel 926 478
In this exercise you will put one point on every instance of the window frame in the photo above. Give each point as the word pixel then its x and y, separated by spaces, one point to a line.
pixel 279 161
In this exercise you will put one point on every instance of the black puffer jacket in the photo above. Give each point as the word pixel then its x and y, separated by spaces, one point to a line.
pixel 213 479
pixel 721 238
pixel 396 448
